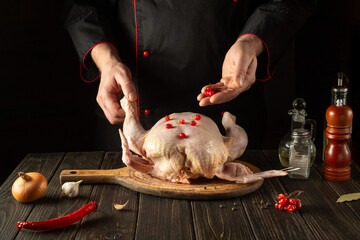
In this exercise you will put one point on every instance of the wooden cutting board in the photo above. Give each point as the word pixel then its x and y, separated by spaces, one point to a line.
pixel 198 189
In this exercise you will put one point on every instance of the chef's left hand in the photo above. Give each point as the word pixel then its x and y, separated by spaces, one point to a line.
pixel 238 71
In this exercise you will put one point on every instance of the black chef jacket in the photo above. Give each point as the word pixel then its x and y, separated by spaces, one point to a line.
pixel 175 47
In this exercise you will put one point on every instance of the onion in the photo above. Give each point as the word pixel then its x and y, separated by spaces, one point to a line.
pixel 29 186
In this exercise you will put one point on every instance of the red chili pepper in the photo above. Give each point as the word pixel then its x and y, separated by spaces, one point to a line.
pixel 60 221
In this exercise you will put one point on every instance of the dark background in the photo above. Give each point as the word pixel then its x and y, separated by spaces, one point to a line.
pixel 45 106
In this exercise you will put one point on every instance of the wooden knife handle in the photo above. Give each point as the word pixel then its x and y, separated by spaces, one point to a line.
pixel 92 176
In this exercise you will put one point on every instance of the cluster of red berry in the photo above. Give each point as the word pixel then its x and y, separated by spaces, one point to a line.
pixel 288 204
pixel 209 91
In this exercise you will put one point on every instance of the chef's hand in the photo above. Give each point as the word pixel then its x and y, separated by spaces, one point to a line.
pixel 238 71
pixel 115 82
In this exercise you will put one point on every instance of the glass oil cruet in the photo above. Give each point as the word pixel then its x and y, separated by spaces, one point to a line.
pixel 298 115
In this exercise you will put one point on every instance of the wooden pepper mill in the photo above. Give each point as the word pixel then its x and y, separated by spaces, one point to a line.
pixel 337 154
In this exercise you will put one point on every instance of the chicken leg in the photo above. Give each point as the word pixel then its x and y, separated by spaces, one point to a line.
pixel 239 173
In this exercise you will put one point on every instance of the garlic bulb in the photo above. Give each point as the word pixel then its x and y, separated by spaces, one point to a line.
pixel 71 189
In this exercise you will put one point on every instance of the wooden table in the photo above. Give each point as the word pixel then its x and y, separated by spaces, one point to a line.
pixel 150 217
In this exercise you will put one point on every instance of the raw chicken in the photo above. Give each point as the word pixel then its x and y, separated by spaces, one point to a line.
pixel 185 146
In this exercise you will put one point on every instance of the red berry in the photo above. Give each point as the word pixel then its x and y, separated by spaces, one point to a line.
pixel 291 208
pixel 182 135
pixel 167 118
pixel 277 205
pixel 209 93
pixel 182 121
pixel 284 201
pixel 197 117
pixel 292 201
pixel 280 196
pixel 280 206
pixel 208 88
pixel 298 204
pixel 192 123
pixel 147 111
pixel 169 125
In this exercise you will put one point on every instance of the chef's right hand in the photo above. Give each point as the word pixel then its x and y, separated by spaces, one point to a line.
pixel 115 82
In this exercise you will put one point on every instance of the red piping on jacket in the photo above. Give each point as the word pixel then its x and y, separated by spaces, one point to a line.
pixel 87 80
pixel 137 65
pixel 83 63
pixel 268 54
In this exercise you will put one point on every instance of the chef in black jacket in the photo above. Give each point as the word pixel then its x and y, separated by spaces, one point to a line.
pixel 163 53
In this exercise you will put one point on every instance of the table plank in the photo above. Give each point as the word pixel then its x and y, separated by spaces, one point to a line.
pixel 345 187
pixel 249 220
pixel 325 218
pixel 12 211
pixel 54 205
pixel 107 222
pixel 270 223
pixel 217 220
pixel 163 218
